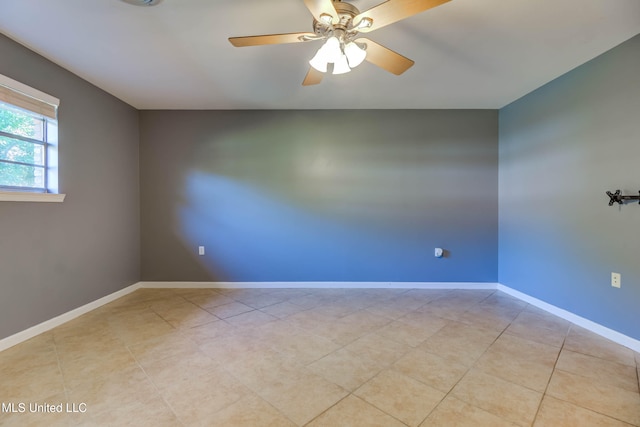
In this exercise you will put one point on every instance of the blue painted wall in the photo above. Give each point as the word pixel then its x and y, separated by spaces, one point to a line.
pixel 319 195
pixel 561 147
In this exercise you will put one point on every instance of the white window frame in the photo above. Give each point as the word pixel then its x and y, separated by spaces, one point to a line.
pixel 24 97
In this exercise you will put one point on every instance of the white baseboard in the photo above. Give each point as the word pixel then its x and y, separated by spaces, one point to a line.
pixel 573 318
pixel 319 285
pixel 47 325
pixel 587 324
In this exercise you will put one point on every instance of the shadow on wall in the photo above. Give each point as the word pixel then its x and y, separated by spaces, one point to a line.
pixel 297 200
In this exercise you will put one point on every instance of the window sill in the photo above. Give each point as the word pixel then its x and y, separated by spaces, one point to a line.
pixel 14 196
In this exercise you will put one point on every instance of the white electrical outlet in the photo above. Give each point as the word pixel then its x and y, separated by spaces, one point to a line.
pixel 616 280
pixel 438 253
pixel 200 250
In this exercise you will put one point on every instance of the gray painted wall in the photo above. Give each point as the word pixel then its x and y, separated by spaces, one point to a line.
pixel 561 148
pixel 57 257
pixel 319 195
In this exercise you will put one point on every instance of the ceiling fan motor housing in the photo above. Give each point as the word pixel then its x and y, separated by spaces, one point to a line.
pixel 344 27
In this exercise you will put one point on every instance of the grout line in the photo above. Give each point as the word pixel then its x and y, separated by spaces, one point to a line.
pixel 555 364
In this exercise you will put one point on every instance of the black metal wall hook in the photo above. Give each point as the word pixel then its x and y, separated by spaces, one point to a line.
pixel 618 198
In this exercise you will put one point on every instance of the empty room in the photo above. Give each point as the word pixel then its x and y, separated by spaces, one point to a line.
pixel 320 213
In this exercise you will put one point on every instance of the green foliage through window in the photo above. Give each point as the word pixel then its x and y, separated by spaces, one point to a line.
pixel 21 161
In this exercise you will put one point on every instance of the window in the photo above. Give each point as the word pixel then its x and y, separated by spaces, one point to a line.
pixel 28 143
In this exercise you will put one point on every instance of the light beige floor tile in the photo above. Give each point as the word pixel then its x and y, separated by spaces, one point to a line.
pixel 227 310
pixel 409 300
pixel 544 320
pixel 378 349
pixel 354 412
pixel 520 361
pixel 282 309
pixel 185 315
pixel 425 321
pixel 460 343
pixel 405 333
pixel 339 332
pixel 250 319
pixel 119 389
pixel 171 345
pixel 195 402
pixel 557 413
pixel 487 317
pixel 249 411
pixel 133 367
pixel 38 348
pixel 288 293
pixel 430 369
pixel 392 310
pixel 582 341
pixel 426 295
pixel 364 321
pixel 258 369
pixel 601 370
pixel 209 300
pixel 335 309
pixel 208 332
pixel 96 365
pixel 454 412
pixel 30 370
pixel 260 300
pixel 78 348
pixel 161 305
pixel 596 396
pixel 307 347
pixel 310 300
pixel 154 412
pixel 227 348
pixel 139 327
pixel 308 319
pixel 304 399
pixel 404 398
pixel 274 332
pixel 166 371
pixel 533 332
pixel 502 398
pixel 540 327
pixel 346 369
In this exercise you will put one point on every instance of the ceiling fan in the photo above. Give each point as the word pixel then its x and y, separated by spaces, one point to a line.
pixel 339 24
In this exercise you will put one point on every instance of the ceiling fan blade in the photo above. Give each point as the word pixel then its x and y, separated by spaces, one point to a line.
pixel 393 11
pixel 313 77
pixel 322 7
pixel 385 58
pixel 272 39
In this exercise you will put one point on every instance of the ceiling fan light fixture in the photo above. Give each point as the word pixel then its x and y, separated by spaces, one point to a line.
pixel 330 52
pixel 355 54
pixel 318 62
pixel 332 49
pixel 341 66
pixel 326 18
pixel 364 23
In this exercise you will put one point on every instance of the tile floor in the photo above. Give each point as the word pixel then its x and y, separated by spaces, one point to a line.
pixel 332 357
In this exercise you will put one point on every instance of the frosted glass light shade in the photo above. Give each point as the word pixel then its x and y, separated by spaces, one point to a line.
pixel 341 66
pixel 319 62
pixel 332 49
pixel 329 52
pixel 355 54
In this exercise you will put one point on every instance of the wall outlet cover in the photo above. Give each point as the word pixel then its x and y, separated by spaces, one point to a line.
pixel 616 280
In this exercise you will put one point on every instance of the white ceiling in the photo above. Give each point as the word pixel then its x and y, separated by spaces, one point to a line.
pixel 468 53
